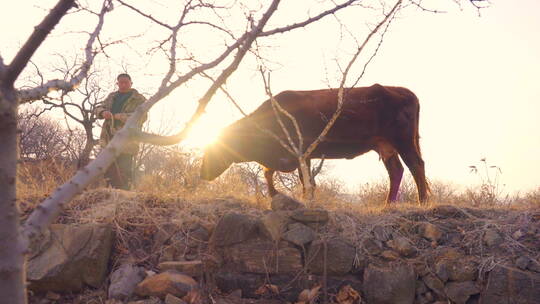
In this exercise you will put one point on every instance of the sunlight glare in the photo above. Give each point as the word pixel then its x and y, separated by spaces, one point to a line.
pixel 202 135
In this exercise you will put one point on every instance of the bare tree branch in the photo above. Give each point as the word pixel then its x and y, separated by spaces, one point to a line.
pixel 256 125
pixel 138 11
pixel 332 120
pixel 277 107
pixel 421 6
pixel 34 41
pixel 317 169
pixel 247 41
pixel 309 20
pixel 226 92
pixel 63 85
pixel 366 64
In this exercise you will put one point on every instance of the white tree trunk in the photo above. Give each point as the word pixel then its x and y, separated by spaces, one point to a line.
pixel 12 270
pixel 307 181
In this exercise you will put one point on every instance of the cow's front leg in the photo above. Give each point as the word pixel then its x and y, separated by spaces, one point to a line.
pixel 395 173
pixel 269 176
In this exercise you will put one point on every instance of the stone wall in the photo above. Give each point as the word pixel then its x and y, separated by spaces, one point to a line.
pixel 293 254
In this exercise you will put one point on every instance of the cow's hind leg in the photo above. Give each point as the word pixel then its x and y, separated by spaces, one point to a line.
pixel 412 158
pixel 269 176
pixel 395 173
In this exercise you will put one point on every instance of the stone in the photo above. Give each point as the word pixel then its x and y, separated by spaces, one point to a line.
pixel 52 296
pixel 234 228
pixel 492 238
pixel 236 293
pixel 339 257
pixel 299 234
pixel 70 257
pixel 164 233
pixel 248 283
pixel 198 236
pixel 372 246
pixel 263 256
pixel 441 270
pixel 170 299
pixel 517 234
pixel 283 202
pixel 430 231
pixel 382 233
pixel 389 255
pixel 402 245
pixel 178 247
pixel 227 300
pixel 124 280
pixel 152 300
pixel 506 285
pixel 459 292
pixel 421 299
pixel 534 266
pixel 310 216
pixel 191 268
pixel 167 254
pixel 191 256
pixel 420 288
pixel 435 284
pixel 274 224
pixel 454 238
pixel 448 211
pixel 421 269
pixel 161 284
pixel 393 285
pixel 460 269
pixel 522 262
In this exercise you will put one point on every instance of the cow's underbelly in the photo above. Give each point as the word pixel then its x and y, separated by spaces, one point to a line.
pixel 341 150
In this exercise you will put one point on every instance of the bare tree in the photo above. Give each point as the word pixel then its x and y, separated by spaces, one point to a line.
pixel 41 137
pixel 79 107
pixel 12 281
pixel 222 63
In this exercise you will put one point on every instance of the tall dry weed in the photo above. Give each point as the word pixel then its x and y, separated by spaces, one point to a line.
pixel 36 179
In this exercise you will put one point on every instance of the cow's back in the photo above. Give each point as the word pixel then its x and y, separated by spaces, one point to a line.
pixel 366 109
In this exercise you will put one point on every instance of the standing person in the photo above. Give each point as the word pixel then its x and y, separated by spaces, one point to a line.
pixel 115 109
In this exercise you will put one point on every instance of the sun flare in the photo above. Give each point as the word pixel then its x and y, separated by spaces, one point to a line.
pixel 202 135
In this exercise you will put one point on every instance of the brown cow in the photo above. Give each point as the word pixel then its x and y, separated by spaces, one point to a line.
pixel 379 118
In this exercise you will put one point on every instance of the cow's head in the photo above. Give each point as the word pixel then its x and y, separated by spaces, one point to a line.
pixel 229 148
pixel 216 160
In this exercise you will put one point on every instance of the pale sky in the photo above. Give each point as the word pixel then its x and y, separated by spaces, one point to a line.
pixel 477 79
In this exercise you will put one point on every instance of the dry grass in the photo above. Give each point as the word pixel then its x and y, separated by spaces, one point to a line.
pixel 37 178
pixel 177 179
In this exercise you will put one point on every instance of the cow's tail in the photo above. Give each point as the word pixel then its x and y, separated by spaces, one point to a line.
pixel 417 138
pixel 417 129
pixel 409 119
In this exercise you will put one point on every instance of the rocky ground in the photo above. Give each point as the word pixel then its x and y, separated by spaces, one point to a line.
pixel 120 247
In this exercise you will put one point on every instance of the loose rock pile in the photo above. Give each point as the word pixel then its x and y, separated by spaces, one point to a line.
pixel 292 254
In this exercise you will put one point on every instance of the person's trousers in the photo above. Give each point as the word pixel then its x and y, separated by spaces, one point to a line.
pixel 120 173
